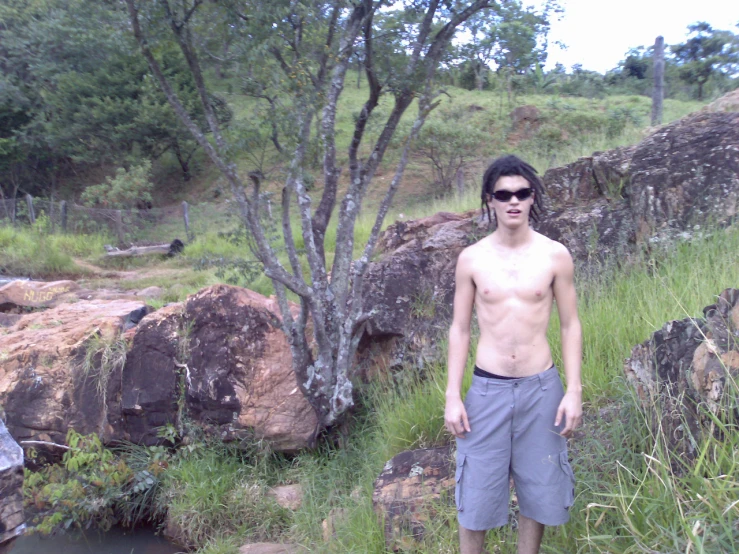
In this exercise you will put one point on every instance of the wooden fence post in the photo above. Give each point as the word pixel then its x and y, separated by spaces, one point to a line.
pixel 186 217
pixel 63 215
pixel 31 215
pixel 119 225
pixel 659 80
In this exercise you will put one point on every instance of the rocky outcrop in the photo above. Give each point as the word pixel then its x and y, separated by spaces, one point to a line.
pixel 12 520
pixel 601 176
pixel 407 490
pixel 43 387
pixel 220 360
pixel 681 374
pixel 686 175
pixel 410 288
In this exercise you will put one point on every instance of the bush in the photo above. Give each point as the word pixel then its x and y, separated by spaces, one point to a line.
pixel 127 190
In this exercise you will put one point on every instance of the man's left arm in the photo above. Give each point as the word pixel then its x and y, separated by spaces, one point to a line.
pixel 571 334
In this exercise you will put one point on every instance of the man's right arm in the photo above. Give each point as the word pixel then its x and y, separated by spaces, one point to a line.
pixel 455 416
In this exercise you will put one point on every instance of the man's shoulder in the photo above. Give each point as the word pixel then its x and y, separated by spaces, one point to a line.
pixel 551 246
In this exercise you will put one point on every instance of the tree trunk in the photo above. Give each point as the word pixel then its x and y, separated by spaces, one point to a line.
pixel 659 80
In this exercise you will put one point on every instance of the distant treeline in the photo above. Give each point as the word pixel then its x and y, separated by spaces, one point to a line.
pixel 76 93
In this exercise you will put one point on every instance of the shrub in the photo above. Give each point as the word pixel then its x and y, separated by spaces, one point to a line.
pixel 128 189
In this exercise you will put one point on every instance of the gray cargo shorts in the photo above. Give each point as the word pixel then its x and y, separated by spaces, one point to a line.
pixel 513 433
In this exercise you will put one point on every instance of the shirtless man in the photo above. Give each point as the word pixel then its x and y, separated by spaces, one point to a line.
pixel 516 416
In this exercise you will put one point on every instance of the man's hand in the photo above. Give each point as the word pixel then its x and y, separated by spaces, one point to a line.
pixel 571 409
pixel 455 417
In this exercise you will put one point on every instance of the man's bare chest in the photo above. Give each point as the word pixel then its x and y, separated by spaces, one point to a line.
pixel 527 282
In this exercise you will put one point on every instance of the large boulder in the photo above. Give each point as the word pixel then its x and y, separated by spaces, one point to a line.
pixel 406 493
pixel 12 520
pixel 681 374
pixel 43 387
pixel 685 175
pixel 239 369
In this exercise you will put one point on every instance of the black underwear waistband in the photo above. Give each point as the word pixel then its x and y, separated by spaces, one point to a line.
pixel 482 373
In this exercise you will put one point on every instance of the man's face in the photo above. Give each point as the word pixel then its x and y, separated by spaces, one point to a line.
pixel 512 211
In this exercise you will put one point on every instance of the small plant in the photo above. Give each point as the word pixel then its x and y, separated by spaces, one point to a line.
pixel 81 492
pixel 102 358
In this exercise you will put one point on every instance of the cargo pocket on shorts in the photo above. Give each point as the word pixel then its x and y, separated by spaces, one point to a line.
pixel 458 474
pixel 568 483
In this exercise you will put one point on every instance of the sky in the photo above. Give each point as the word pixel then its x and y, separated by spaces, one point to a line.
pixel 598 33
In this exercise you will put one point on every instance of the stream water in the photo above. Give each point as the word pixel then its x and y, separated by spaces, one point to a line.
pixel 116 541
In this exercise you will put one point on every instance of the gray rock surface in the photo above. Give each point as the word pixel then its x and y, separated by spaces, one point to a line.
pixel 12 520
pixel 681 374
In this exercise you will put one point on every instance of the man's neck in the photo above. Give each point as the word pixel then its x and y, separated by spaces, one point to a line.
pixel 512 238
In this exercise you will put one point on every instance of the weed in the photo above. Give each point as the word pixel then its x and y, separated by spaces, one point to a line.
pixel 103 356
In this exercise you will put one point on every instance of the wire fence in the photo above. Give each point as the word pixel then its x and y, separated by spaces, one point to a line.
pixel 124 227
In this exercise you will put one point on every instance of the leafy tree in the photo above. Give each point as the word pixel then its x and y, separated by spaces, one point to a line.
pixel 79 92
pixel 311 44
pixel 707 53
pixel 512 37
pixel 447 142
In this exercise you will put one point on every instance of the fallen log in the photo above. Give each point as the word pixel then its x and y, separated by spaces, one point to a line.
pixel 175 247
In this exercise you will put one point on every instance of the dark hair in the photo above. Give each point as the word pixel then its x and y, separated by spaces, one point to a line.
pixel 507 166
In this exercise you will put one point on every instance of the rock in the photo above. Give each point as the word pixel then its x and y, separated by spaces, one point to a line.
pixel 525 122
pixel 12 520
pixel 685 175
pixel 42 386
pixel 287 496
pixel 150 292
pixel 35 294
pixel 604 174
pixel 410 288
pixel 150 380
pixel 681 372
pixel 328 525
pixel 271 548
pixel 729 102
pixel 406 490
pixel 240 377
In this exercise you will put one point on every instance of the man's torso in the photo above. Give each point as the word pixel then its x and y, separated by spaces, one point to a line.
pixel 513 301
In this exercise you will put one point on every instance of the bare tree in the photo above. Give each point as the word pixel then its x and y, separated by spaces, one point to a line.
pixel 333 304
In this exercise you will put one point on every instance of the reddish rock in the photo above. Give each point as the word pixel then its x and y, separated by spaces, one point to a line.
pixel 42 387
pixel 406 491
pixel 525 121
pixel 35 293
pixel 240 376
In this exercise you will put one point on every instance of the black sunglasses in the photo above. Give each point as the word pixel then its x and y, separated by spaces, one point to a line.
pixel 506 195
